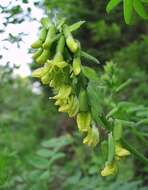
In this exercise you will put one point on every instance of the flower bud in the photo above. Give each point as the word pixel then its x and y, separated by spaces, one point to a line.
pixel 37 44
pixel 83 121
pixel 37 53
pixel 83 100
pixel 43 34
pixel 49 38
pixel 43 57
pixel 71 43
pixel 76 65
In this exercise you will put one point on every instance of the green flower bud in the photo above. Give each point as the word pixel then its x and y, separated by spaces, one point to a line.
pixel 37 44
pixel 83 121
pixel 49 38
pixel 43 57
pixel 37 53
pixel 83 100
pixel 76 66
pixel 71 43
pixel 43 34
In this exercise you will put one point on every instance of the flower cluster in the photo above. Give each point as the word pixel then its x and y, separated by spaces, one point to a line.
pixel 58 55
pixel 115 150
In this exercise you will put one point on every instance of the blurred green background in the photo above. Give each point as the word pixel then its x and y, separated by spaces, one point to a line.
pixel 30 121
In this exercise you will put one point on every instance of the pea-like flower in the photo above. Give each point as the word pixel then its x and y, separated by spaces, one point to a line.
pixel 64 92
pixel 92 137
pixel 110 169
pixel 120 151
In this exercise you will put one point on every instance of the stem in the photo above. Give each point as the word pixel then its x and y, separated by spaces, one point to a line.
pixel 139 156
pixel 138 135
pixel 66 31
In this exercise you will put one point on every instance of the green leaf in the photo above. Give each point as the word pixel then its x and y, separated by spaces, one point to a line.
pixel 143 121
pixel 139 8
pixel 144 1
pixel 45 153
pixel 76 26
pixel 123 85
pixel 95 101
pixel 61 23
pixel 45 175
pixel 57 156
pixel 112 4
pixel 57 143
pixel 89 73
pixel 39 163
pixel 112 112
pixel 89 57
pixel 128 10
pixel 34 175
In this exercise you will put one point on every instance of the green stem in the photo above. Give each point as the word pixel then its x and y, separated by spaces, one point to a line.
pixel 139 156
pixel 138 135
pixel 66 31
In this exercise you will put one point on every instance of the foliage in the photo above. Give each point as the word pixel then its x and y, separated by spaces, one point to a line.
pixel 107 38
pixel 62 70
pixel 129 6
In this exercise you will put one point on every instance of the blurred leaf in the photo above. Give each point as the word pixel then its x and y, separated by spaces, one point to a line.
pixel 89 73
pixel 39 163
pixel 45 153
pixel 139 7
pixel 76 26
pixel 112 4
pixel 128 10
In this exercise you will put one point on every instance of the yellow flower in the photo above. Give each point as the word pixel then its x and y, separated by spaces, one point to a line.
pixel 38 72
pixel 119 151
pixel 109 169
pixel 92 137
pixel 64 92
pixel 74 106
pixel 58 61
